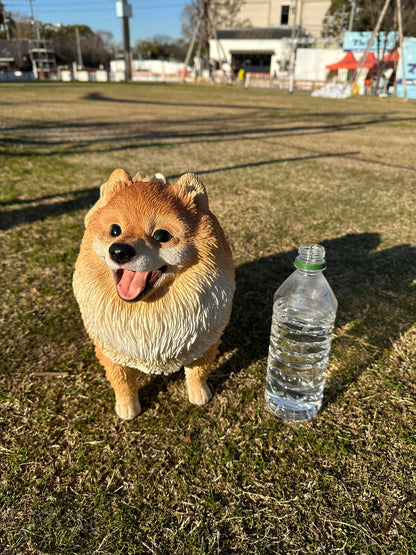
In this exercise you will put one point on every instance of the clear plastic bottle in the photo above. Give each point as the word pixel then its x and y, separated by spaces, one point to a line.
pixel 304 311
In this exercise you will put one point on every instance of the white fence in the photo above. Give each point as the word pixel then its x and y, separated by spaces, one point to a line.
pixel 102 76
pixel 255 80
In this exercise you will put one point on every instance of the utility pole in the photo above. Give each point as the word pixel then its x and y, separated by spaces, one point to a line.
pixel 80 62
pixel 201 32
pixel 5 22
pixel 192 43
pixel 352 14
pixel 401 46
pixel 342 24
pixel 205 30
pixel 357 72
pixel 34 22
pixel 360 67
pixel 292 61
pixel 124 10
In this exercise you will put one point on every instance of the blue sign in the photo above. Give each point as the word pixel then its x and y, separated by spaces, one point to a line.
pixel 409 54
pixel 359 41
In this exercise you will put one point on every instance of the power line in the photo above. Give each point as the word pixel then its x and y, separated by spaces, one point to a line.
pixel 156 17
pixel 154 6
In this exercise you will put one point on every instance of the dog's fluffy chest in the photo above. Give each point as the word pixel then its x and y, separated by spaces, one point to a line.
pixel 163 336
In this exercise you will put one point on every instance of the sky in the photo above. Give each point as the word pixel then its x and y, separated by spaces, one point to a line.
pixel 150 17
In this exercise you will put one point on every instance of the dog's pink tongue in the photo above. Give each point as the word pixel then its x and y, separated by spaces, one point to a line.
pixel 131 284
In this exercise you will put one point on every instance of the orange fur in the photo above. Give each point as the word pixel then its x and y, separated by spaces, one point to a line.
pixel 179 319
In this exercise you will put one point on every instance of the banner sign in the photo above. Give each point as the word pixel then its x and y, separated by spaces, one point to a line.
pixel 409 55
pixel 359 41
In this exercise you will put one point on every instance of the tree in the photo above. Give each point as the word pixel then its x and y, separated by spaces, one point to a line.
pixel 7 23
pixel 222 14
pixel 108 40
pixel 366 15
pixel 22 27
pixel 201 19
pixel 161 47
pixel 94 50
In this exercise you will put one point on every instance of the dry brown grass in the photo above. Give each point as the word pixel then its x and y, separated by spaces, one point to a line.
pixel 227 478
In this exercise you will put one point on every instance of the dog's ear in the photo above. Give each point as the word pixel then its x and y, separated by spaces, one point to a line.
pixel 190 185
pixel 117 181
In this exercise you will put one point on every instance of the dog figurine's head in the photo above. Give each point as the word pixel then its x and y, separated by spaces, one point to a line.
pixel 148 230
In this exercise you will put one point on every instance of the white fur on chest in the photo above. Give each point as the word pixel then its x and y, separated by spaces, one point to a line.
pixel 176 331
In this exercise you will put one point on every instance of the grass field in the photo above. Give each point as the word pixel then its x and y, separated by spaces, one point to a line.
pixel 229 477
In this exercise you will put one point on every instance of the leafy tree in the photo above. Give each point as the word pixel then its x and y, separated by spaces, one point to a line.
pixel 204 17
pixel 222 14
pixel 161 47
pixel 7 23
pixel 366 15
pixel 22 27
pixel 94 50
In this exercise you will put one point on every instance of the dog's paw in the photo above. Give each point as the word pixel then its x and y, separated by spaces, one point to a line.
pixel 199 395
pixel 129 409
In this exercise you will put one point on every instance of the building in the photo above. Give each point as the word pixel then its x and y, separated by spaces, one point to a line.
pixel 308 14
pixel 14 55
pixel 273 30
pixel 264 50
pixel 43 58
pixel 27 58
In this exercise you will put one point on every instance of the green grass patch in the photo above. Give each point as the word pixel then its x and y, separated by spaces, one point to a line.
pixel 229 477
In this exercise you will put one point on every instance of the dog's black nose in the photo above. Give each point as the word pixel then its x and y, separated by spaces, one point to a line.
pixel 121 252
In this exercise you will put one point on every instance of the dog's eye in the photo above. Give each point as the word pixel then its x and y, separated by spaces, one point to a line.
pixel 115 230
pixel 162 236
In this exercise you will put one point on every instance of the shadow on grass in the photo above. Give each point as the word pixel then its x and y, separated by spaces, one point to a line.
pixel 112 137
pixel 373 288
pixel 376 305
pixel 41 208
pixel 38 209
pixel 275 161
pixel 74 137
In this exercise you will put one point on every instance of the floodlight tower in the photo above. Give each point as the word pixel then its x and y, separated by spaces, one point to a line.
pixel 34 22
pixel 124 10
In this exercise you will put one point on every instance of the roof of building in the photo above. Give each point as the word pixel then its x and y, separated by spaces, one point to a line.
pixel 13 48
pixel 282 32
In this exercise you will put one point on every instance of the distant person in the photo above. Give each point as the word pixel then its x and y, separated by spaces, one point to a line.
pixel 241 75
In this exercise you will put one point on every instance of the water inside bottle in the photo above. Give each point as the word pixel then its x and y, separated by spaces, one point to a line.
pixel 298 359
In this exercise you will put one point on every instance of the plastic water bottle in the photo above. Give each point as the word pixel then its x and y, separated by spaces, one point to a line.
pixel 304 310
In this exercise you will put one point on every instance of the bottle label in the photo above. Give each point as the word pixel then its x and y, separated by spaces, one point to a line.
pixel 305 266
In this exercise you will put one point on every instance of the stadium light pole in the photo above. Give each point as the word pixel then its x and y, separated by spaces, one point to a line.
pixel 34 22
pixel 79 53
pixel 124 10
pixel 292 60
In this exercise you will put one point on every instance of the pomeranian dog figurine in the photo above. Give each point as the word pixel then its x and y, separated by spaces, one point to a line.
pixel 154 281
